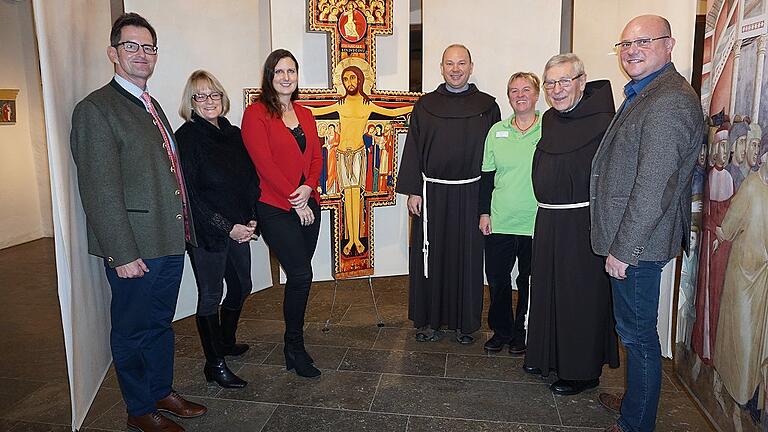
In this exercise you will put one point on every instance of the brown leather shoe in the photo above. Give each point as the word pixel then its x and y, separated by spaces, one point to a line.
pixel 180 407
pixel 153 422
pixel 611 402
pixel 613 428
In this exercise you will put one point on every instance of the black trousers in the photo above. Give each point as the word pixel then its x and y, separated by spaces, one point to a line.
pixel 294 245
pixel 211 268
pixel 501 251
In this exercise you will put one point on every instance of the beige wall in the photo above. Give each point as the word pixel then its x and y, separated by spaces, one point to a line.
pixel 504 37
pixel 595 33
pixel 25 196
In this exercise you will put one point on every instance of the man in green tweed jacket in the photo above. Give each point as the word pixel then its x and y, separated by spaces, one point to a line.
pixel 136 211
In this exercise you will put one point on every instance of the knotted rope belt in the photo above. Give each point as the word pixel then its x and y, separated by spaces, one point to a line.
pixel 564 206
pixel 425 241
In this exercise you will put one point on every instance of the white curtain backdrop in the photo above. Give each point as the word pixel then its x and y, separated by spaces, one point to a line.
pixel 72 37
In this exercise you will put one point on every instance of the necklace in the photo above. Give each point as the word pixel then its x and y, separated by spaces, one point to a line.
pixel 529 126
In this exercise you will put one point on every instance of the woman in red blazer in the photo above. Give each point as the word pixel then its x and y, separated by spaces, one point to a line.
pixel 281 138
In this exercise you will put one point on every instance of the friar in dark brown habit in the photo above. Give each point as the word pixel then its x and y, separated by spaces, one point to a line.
pixel 440 173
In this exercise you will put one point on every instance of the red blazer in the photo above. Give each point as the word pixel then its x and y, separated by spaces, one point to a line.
pixel 276 155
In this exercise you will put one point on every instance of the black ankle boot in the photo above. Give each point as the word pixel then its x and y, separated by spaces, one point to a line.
pixel 296 357
pixel 229 320
pixel 215 369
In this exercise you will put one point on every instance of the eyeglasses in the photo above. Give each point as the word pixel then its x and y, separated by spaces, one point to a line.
pixel 564 82
pixel 641 43
pixel 202 97
pixel 133 47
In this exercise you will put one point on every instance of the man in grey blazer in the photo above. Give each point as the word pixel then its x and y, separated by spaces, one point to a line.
pixel 640 193
pixel 138 221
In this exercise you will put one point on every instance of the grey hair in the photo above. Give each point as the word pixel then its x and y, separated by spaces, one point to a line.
pixel 571 58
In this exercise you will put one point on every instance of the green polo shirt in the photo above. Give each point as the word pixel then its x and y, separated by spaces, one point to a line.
pixel 510 153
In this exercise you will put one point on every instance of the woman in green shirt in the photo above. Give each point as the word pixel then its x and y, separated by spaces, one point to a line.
pixel 508 211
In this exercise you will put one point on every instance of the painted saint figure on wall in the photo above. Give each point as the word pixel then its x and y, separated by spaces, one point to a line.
pixel 714 254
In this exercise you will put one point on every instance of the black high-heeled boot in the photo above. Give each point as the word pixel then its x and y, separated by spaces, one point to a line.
pixel 296 358
pixel 229 320
pixel 215 369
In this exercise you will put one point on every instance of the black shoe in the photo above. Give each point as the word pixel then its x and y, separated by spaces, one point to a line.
pixel 229 320
pixel 296 358
pixel 572 387
pixel 495 343
pixel 219 373
pixel 531 370
pixel 517 348
pixel 465 339
pixel 215 369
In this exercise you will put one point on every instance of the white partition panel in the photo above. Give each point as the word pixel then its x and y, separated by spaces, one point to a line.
pixel 73 36
pixel 230 40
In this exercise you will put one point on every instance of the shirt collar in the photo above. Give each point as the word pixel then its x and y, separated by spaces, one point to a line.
pixel 453 90
pixel 130 87
pixel 633 88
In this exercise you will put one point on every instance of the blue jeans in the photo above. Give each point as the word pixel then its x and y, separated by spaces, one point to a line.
pixel 635 306
pixel 142 338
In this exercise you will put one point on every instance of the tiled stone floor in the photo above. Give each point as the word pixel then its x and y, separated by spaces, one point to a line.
pixel 374 379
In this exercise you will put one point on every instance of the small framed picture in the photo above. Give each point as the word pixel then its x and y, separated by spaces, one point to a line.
pixel 8 106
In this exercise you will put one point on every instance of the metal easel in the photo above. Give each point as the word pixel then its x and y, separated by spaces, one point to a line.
pixel 379 322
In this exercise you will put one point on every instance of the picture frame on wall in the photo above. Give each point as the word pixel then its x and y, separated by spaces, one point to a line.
pixel 8 106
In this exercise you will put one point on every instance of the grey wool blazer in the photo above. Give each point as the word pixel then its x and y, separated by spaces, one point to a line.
pixel 130 196
pixel 640 187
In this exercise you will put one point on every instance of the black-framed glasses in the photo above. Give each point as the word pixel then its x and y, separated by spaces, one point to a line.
pixel 133 47
pixel 202 97
pixel 641 43
pixel 564 82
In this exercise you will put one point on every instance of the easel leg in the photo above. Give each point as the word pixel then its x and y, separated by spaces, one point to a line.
pixel 327 326
pixel 379 322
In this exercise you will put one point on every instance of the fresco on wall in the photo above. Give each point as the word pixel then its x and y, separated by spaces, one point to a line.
pixel 722 326
pixel 358 127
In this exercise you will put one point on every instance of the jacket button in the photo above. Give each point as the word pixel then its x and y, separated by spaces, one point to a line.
pixel 177 192
pixel 178 217
pixel 173 170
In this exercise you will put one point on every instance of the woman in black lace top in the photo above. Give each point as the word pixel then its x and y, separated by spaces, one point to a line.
pixel 223 189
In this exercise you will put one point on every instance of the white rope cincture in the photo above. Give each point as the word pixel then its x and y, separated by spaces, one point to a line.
pixel 425 241
pixel 564 206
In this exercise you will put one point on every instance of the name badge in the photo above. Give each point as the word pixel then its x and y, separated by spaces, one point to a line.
pixel 502 134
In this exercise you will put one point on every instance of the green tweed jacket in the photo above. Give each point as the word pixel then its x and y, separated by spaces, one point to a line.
pixel 130 195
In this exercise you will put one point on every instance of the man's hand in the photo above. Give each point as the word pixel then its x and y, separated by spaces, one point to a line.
pixel 414 205
pixel 615 268
pixel 485 224
pixel 720 233
pixel 132 270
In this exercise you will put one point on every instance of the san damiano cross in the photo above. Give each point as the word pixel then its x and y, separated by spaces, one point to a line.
pixel 358 126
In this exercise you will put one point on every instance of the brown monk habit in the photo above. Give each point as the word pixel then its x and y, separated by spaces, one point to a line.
pixel 570 325
pixel 445 141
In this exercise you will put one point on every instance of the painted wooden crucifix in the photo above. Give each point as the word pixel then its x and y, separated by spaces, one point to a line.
pixel 358 126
